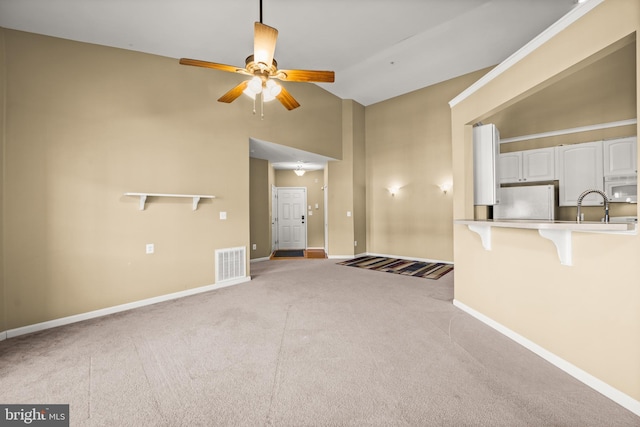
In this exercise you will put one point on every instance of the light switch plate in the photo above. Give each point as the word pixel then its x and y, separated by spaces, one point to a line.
pixel 223 215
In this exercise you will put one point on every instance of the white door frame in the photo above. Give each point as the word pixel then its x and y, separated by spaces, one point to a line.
pixel 325 194
pixel 274 218
pixel 304 218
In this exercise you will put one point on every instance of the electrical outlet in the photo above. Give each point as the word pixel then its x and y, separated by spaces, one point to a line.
pixel 355 243
pixel 255 246
pixel 223 215
pixel 150 248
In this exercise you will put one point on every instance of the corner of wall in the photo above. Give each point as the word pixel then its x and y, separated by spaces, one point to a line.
pixel 343 217
pixel 3 115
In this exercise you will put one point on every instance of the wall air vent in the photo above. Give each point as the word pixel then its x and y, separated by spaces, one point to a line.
pixel 230 264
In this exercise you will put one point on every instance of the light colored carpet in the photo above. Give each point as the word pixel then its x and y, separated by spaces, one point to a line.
pixel 305 343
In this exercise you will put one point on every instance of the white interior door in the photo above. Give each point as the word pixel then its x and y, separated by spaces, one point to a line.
pixel 274 218
pixel 292 224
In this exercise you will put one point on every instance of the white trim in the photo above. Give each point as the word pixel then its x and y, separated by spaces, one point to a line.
pixel 339 256
pixel 572 16
pixel 3 335
pixel 259 259
pixel 118 308
pixel 569 131
pixel 598 385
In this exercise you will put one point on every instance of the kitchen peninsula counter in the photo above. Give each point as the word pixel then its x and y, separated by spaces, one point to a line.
pixel 559 232
pixel 585 226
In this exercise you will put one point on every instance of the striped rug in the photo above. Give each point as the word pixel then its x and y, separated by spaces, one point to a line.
pixel 427 270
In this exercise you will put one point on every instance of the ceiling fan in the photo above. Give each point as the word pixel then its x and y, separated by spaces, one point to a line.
pixel 263 68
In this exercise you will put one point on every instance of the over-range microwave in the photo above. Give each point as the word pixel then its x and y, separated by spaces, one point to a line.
pixel 621 188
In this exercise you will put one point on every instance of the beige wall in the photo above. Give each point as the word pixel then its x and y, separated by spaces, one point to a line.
pixel 85 124
pixel 2 142
pixel 409 146
pixel 359 179
pixel 587 314
pixel 259 208
pixel 313 182
pixel 344 194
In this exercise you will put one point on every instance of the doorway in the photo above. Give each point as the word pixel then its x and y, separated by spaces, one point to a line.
pixel 291 220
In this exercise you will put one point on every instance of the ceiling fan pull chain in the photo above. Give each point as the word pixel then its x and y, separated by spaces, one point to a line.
pixel 262 106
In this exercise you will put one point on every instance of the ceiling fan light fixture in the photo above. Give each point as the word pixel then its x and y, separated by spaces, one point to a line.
pixel 267 96
pixel 255 85
pixel 249 93
pixel 299 171
pixel 273 88
pixel 263 67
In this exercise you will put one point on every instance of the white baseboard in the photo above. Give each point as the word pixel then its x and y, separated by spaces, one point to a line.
pixel 339 256
pixel 3 335
pixel 259 259
pixel 118 308
pixel 598 385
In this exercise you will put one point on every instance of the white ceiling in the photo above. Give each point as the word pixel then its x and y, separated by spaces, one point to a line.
pixel 378 49
pixel 283 157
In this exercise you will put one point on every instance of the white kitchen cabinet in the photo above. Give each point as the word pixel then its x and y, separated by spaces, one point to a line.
pixel 620 157
pixel 510 167
pixel 486 140
pixel 527 166
pixel 539 165
pixel 579 167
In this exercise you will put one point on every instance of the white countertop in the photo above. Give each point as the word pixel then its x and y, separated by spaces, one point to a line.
pixel 586 226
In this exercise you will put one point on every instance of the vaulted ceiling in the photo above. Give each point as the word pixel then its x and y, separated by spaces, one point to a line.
pixel 379 49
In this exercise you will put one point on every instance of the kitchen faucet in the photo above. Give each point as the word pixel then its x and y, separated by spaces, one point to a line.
pixel 606 203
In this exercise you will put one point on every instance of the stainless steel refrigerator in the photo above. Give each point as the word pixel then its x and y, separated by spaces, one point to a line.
pixel 535 202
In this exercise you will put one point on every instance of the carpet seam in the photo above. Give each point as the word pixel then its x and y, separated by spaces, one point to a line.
pixel 90 384
pixel 276 374
pixel 146 377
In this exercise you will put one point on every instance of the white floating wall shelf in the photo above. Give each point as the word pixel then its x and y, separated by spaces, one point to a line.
pixel 195 197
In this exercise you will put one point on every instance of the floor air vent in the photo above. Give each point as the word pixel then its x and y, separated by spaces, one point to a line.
pixel 230 264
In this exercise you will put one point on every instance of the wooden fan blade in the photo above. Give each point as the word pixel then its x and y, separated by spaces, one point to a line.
pixel 234 93
pixel 214 65
pixel 264 43
pixel 306 76
pixel 287 100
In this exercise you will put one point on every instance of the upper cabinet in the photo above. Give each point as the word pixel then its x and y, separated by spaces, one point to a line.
pixel 527 166
pixel 579 167
pixel 486 140
pixel 620 157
